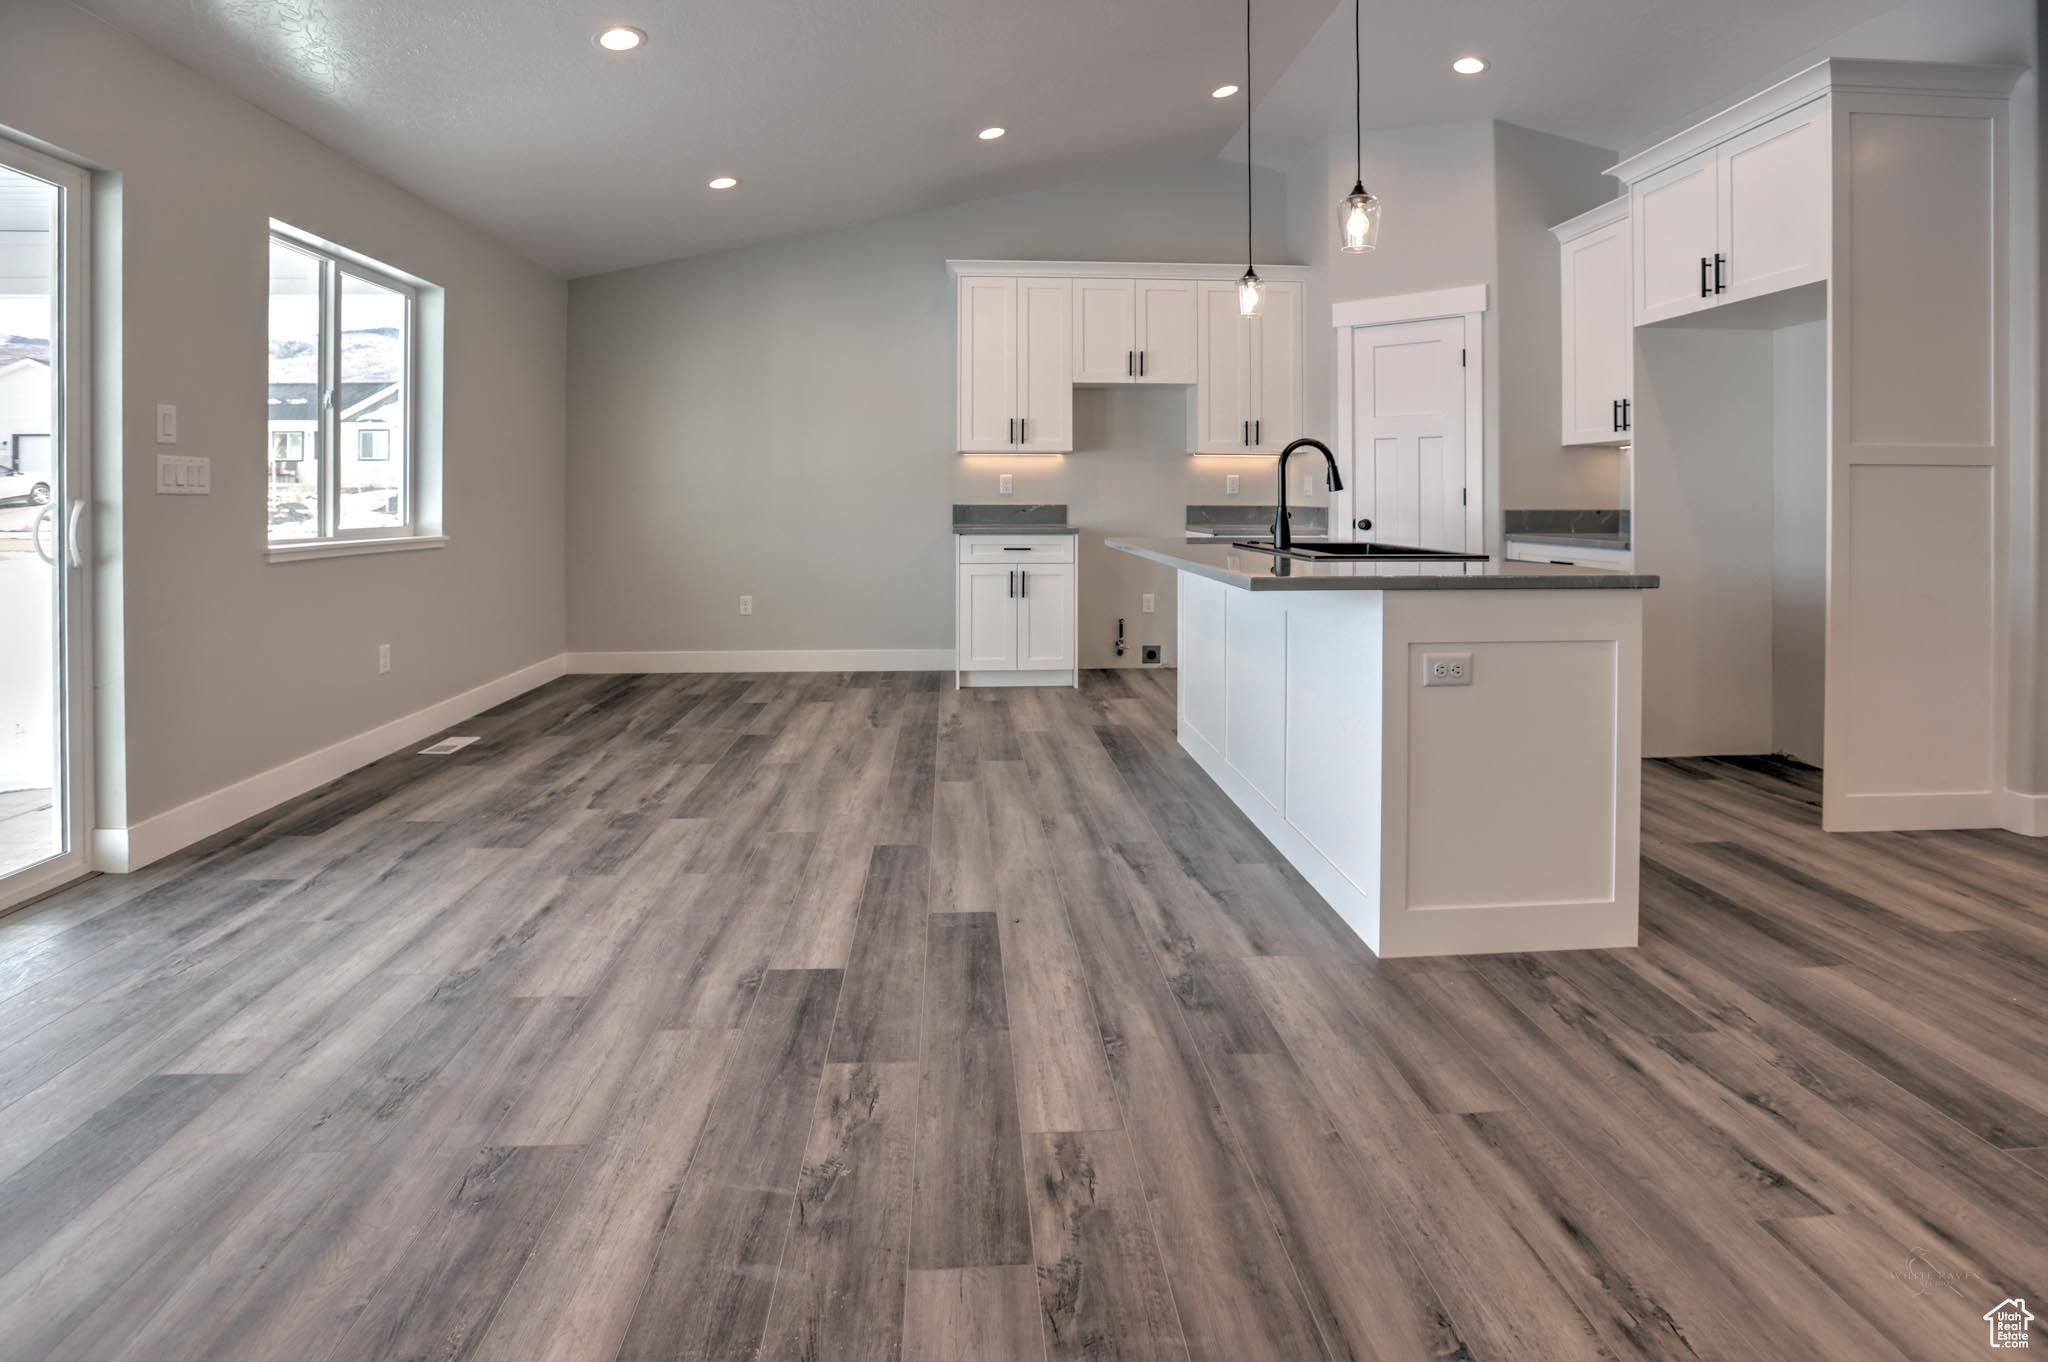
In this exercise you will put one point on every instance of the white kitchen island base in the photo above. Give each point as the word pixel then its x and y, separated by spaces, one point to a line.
pixel 1500 815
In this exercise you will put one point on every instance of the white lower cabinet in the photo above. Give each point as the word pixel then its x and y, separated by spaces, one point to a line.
pixel 1016 611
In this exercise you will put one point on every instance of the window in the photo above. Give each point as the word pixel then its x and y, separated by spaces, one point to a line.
pixel 341 410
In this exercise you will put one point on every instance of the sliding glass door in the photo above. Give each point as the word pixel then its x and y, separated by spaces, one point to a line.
pixel 45 696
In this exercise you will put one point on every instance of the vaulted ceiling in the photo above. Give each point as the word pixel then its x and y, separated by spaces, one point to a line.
pixel 507 114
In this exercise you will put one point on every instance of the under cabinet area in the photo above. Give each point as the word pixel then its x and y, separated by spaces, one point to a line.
pixel 1597 343
pixel 1125 324
pixel 1017 613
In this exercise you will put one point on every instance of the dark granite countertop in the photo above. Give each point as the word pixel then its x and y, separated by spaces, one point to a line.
pixel 1571 539
pixel 1045 518
pixel 1252 570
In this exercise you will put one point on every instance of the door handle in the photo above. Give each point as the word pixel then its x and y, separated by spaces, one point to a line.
pixel 35 534
pixel 1720 275
pixel 71 535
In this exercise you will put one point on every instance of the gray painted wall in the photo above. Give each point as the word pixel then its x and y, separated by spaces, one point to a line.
pixel 212 664
pixel 778 421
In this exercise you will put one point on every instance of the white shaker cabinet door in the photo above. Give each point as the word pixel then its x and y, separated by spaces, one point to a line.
pixel 987 366
pixel 1598 340
pixel 1165 340
pixel 1276 378
pixel 1774 205
pixel 1223 383
pixel 1045 618
pixel 1045 366
pixel 1676 217
pixel 1105 343
pixel 988 618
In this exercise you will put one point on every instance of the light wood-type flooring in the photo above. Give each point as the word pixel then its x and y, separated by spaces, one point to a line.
pixel 822 1017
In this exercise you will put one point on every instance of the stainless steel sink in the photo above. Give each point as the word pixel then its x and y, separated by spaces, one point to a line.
pixel 1334 551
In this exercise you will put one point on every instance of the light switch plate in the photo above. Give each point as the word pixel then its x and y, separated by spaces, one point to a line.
pixel 166 424
pixel 183 475
pixel 1447 669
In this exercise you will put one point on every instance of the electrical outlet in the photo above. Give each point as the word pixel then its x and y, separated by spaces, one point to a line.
pixel 1151 602
pixel 1308 484
pixel 383 658
pixel 1230 484
pixel 746 605
pixel 1003 484
pixel 1447 669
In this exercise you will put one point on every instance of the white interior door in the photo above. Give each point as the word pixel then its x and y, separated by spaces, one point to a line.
pixel 1408 418
pixel 45 691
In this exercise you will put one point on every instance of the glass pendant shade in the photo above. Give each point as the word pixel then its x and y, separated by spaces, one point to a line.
pixel 1251 291
pixel 1358 220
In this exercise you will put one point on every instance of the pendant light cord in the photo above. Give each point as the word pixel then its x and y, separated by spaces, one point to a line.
pixel 1247 135
pixel 1358 86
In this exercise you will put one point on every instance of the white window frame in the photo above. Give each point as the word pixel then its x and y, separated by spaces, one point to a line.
pixel 333 540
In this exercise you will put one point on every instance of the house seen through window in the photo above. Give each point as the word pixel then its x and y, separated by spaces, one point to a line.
pixel 340 401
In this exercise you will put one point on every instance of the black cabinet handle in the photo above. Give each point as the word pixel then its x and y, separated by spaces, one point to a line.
pixel 1628 420
pixel 1013 584
pixel 1130 364
pixel 1023 582
pixel 1362 523
pixel 1614 412
pixel 1720 275
pixel 1020 430
pixel 1016 548
pixel 1258 432
pixel 1012 439
pixel 1247 435
pixel 1706 279
pixel 1141 364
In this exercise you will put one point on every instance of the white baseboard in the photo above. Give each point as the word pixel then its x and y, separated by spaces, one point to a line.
pixel 768 660
pixel 120 850
pixel 2026 814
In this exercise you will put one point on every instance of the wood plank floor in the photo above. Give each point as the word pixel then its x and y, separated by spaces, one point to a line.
pixel 821 1017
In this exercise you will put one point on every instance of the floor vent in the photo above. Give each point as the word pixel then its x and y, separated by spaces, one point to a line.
pixel 445 746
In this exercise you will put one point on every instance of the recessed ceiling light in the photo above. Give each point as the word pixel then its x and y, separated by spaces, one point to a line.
pixel 620 38
pixel 724 182
pixel 1469 66
pixel 1223 92
pixel 991 134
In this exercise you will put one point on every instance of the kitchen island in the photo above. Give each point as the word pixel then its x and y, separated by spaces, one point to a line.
pixel 1447 751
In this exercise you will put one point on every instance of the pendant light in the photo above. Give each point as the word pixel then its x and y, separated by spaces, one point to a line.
pixel 1251 290
pixel 1358 216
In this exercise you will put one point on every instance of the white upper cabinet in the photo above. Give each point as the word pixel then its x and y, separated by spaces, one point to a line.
pixel 1276 419
pixel 1015 366
pixel 1031 331
pixel 1105 331
pixel 1223 386
pixel 1676 213
pixel 1248 393
pixel 1045 366
pixel 1745 217
pixel 987 370
pixel 1774 205
pixel 1165 314
pixel 1134 331
pixel 1598 341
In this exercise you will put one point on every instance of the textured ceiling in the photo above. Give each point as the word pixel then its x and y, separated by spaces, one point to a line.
pixel 505 112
